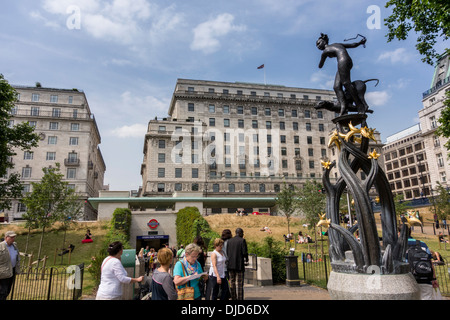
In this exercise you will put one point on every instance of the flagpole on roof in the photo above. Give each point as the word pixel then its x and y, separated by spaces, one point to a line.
pixel 263 67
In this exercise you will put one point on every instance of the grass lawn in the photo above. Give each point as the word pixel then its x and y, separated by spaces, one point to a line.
pixel 53 242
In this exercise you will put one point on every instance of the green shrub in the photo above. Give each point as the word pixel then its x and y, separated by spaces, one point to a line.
pixel 185 224
pixel 274 250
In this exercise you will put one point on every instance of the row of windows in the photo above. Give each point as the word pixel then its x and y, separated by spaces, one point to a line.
pixel 253 93
pixel 71 173
pixel 36 97
pixel 51 156
pixel 161 187
pixel 52 125
pixel 227 137
pixel 254 111
pixel 255 124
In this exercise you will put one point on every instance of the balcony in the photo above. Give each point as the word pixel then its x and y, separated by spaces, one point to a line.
pixel 72 162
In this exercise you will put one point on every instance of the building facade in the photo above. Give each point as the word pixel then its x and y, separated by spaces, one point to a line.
pixel 433 104
pixel 224 139
pixel 406 163
pixel 68 135
pixel 415 158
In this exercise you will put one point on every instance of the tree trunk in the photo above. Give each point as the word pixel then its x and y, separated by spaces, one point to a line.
pixel 40 247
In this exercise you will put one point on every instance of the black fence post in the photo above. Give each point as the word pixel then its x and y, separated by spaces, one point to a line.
pixel 50 284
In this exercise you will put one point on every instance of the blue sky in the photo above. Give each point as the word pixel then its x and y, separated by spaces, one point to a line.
pixel 127 54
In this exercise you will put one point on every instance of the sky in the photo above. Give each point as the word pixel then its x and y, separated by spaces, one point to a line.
pixel 126 55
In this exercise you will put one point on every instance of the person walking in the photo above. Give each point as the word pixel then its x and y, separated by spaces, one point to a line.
pixel 162 285
pixel 113 274
pixel 217 277
pixel 237 258
pixel 9 263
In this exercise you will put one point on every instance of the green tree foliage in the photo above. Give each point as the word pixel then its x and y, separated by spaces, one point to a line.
pixel 19 136
pixel 441 203
pixel 444 122
pixel 401 206
pixel 430 19
pixel 287 202
pixel 184 222
pixel 311 202
pixel 50 201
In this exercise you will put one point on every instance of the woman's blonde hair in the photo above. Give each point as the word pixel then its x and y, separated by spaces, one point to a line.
pixel 191 248
pixel 164 256
pixel 218 242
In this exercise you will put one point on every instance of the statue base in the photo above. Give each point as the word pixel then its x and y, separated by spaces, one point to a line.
pixel 362 286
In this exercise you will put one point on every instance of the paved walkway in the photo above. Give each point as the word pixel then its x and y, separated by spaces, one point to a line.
pixel 283 292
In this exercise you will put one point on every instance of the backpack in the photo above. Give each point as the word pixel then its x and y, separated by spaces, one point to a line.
pixel 420 263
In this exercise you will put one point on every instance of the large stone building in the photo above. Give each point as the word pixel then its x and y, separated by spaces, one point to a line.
pixel 433 98
pixel 415 158
pixel 225 139
pixel 406 163
pixel 68 135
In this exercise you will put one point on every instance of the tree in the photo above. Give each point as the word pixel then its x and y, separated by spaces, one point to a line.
pixel 19 136
pixel 312 202
pixel 401 206
pixel 429 18
pixel 287 202
pixel 444 120
pixel 49 201
pixel 441 202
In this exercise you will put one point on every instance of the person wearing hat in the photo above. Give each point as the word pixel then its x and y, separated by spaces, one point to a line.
pixel 9 263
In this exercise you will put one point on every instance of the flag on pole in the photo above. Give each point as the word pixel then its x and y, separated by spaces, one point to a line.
pixel 261 66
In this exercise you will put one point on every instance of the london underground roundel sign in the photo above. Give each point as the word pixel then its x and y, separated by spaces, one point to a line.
pixel 153 223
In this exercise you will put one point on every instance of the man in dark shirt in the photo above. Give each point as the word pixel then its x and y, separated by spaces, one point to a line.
pixel 237 258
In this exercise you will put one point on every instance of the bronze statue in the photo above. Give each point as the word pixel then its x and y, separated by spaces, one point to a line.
pixel 342 80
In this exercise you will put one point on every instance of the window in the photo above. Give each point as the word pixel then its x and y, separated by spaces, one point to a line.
pixel 226 122
pixel 54 98
pixel 34 111
pixel 307 114
pixel 74 127
pixel 52 140
pixel 262 187
pixel 212 122
pixel 268 124
pixel 51 156
pixel 178 187
pixel 161 187
pixel 309 139
pixel 35 97
pixel 53 126
pixel 28 155
pixel 161 144
pixel 212 108
pixel 311 152
pixel 194 173
pixel 240 110
pixel 247 187
pixel 294 113
pixel 231 187
pixel 254 111
pixel 321 127
pixel 70 100
pixel 71 173
pixel 308 126
pixel 161 157
pixel 240 123
pixel 72 157
pixel 161 172
pixel 433 122
pixel 226 109
pixel 267 111
pixel 440 160
pixel 56 112
pixel 281 112
pixel 311 164
pixel 194 187
pixel 216 187
pixel 73 141
pixel 295 126
pixel 254 124
pixel 282 138
pixel 282 125
pixel 319 114
pixel 26 172
pixel 191 107
pixel 178 172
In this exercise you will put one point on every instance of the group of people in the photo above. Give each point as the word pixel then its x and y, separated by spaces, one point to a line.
pixel 225 275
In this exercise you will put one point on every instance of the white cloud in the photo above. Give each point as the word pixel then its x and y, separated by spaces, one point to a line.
pixel 207 34
pixel 398 55
pixel 322 80
pixel 377 98
pixel 137 130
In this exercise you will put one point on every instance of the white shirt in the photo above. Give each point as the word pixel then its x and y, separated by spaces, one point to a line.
pixel 220 264
pixel 112 276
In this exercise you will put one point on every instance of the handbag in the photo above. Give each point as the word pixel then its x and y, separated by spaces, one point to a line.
pixel 186 293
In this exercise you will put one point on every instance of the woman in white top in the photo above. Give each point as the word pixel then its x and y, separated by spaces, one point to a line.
pixel 217 278
pixel 113 274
